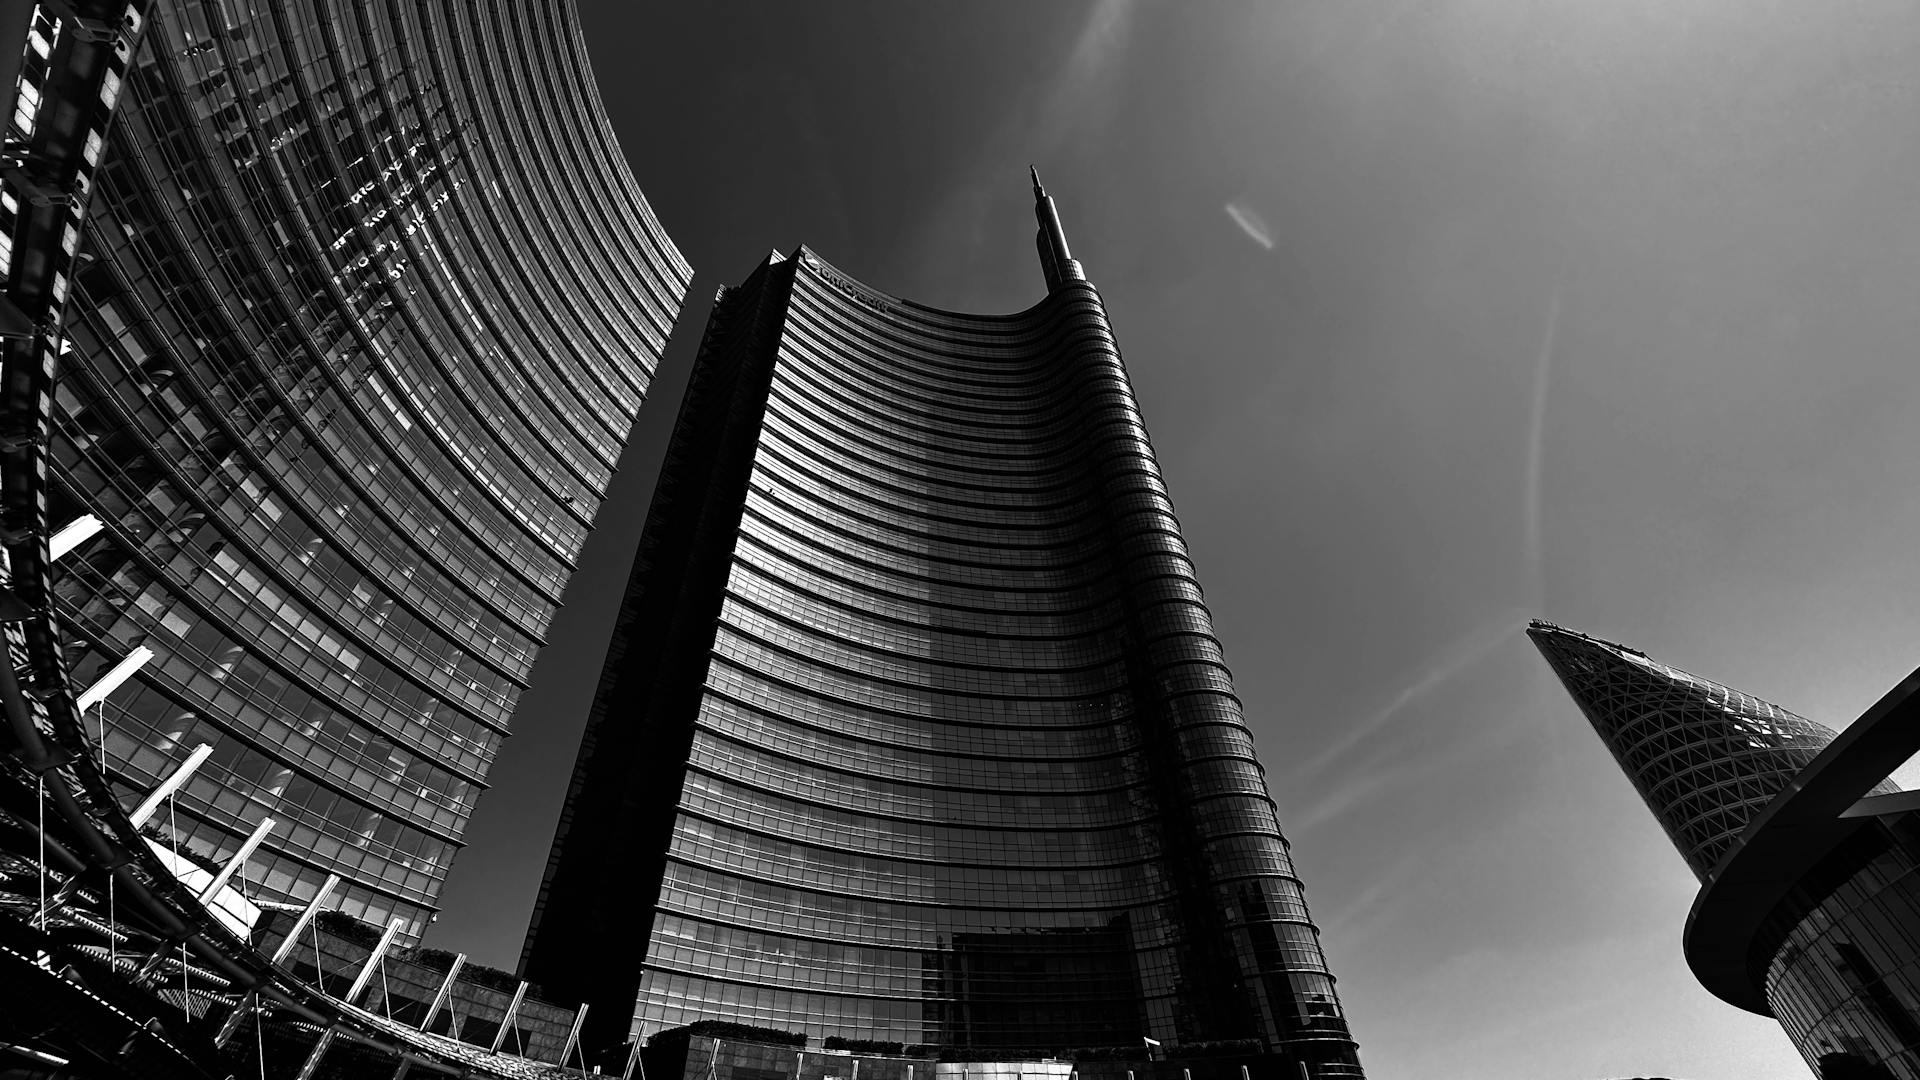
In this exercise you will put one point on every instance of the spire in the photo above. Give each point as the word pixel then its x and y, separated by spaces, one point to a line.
pixel 1705 758
pixel 1056 261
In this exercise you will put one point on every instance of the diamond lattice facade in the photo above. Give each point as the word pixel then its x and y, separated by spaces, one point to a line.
pixel 1809 857
pixel 1705 757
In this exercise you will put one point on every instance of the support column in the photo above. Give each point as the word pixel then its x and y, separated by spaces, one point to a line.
pixel 76 532
pixel 308 1067
pixel 573 1036
pixel 300 924
pixel 170 785
pixel 239 859
pixel 506 1021
pixel 232 1022
pixel 446 990
pixel 373 960
pixel 108 683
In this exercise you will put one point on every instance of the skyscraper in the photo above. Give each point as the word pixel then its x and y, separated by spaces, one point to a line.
pixel 1809 857
pixel 914 725
pixel 362 309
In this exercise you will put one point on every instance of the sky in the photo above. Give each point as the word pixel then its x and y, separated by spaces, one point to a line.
pixel 1443 314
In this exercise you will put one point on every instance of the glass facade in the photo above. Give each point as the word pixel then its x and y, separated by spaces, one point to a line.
pixel 364 307
pixel 1845 976
pixel 1705 757
pixel 1840 949
pixel 915 727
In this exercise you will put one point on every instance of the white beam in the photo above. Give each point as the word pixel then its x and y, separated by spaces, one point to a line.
pixel 300 924
pixel 373 959
pixel 108 683
pixel 506 1021
pixel 573 1036
pixel 239 859
pixel 170 785
pixel 446 990
pixel 77 532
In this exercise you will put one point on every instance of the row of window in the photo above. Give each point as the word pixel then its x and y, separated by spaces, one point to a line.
pixel 305 381
pixel 202 198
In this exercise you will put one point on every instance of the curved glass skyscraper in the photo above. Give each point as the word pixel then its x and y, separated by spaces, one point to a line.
pixel 364 306
pixel 915 726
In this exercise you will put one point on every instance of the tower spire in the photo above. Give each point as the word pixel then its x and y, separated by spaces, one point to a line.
pixel 1056 261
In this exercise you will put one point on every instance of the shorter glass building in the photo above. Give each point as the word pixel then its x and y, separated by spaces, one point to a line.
pixel 1809 858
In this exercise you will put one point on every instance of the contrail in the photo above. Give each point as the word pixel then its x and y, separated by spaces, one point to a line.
pixel 1536 449
pixel 1464 653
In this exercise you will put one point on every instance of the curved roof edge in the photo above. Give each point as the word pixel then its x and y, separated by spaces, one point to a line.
pixel 812 260
pixel 1787 839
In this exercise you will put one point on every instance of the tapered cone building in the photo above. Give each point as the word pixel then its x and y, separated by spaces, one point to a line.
pixel 347 309
pixel 914 726
pixel 1706 758
pixel 1808 856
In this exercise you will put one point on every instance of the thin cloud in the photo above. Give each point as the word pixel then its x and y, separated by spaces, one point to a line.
pixel 1078 99
pixel 1082 95
pixel 1389 771
pixel 1251 223
pixel 1462 654
pixel 1536 446
pixel 1383 22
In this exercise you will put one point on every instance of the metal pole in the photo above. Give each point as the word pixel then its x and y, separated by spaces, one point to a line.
pixel 446 990
pixel 76 532
pixel 108 683
pixel 232 1022
pixel 573 1036
pixel 170 785
pixel 506 1021
pixel 300 924
pixel 40 805
pixel 239 860
pixel 373 960
pixel 313 1059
